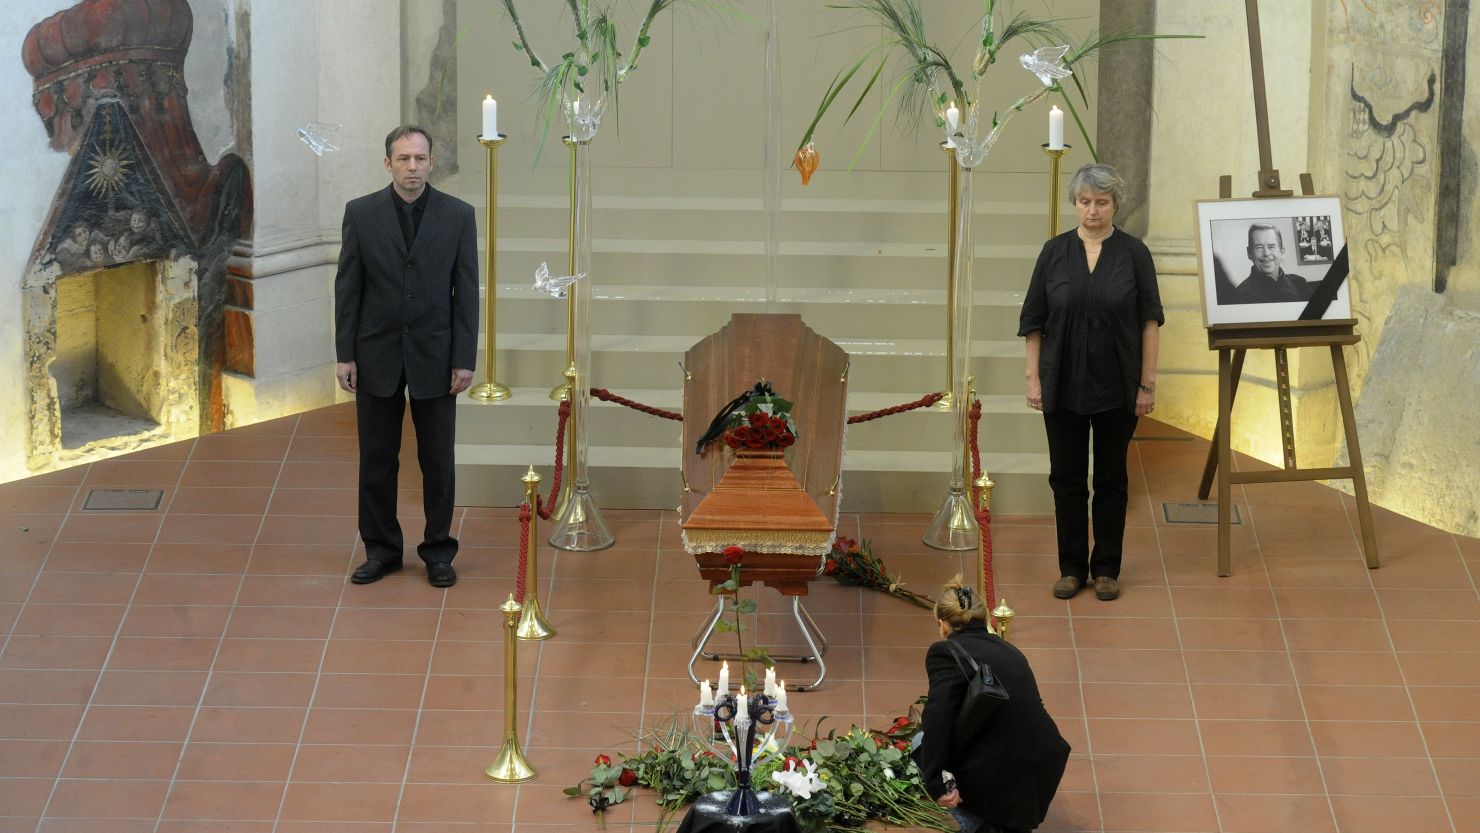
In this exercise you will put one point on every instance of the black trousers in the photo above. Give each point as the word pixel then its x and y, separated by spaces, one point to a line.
pixel 379 421
pixel 1069 438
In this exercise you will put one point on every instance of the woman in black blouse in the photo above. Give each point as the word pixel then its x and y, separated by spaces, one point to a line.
pixel 1091 318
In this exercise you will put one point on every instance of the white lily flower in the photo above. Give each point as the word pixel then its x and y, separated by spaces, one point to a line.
pixel 799 782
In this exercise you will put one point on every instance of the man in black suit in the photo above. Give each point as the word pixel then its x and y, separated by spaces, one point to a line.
pixel 406 321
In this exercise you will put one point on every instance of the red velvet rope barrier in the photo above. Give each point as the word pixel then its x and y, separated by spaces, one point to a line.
pixel 525 513
pixel 923 402
pixel 983 515
pixel 549 507
pixel 607 396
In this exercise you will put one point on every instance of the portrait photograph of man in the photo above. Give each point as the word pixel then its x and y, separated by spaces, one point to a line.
pixel 1264 265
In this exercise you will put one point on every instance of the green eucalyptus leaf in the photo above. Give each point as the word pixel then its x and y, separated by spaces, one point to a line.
pixel 644 41
pixel 581 69
pixel 519 46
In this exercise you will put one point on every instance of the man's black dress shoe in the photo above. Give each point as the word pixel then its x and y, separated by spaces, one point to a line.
pixel 372 571
pixel 441 575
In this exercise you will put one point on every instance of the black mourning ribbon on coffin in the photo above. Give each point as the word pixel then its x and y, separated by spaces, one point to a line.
pixel 717 425
pixel 1325 292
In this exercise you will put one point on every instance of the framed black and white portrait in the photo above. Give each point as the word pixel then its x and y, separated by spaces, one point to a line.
pixel 1263 259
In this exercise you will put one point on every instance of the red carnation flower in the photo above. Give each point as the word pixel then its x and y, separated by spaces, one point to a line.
pixel 769 434
pixel 603 760
pixel 829 567
pixel 759 419
pixel 731 441
pixel 627 778
pixel 901 722
pixel 733 555
pixel 755 441
pixel 881 741
pixel 785 440
pixel 902 745
pixel 792 762
pixel 742 433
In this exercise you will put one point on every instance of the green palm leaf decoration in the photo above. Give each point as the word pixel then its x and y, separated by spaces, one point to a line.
pixel 926 78
pixel 584 82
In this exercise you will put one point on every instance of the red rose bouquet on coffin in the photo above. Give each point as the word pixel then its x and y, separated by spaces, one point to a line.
pixel 764 424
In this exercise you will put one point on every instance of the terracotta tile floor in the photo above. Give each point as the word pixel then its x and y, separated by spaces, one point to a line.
pixel 207 668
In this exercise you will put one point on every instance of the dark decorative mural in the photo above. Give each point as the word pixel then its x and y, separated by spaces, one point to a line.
pixel 111 208
pixel 110 89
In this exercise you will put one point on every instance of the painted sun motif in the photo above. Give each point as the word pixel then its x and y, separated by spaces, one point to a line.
pixel 107 171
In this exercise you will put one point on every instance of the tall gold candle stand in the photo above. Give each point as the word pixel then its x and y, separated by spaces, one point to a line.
pixel 491 390
pixel 953 186
pixel 561 392
pixel 510 767
pixel 1054 155
pixel 532 624
pixel 1003 615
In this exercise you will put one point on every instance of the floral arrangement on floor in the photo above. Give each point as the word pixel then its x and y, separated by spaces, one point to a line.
pixel 836 782
pixel 854 565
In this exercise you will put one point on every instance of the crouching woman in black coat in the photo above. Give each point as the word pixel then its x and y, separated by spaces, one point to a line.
pixel 1006 774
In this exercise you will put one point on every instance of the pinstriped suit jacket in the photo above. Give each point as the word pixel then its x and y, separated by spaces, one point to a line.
pixel 414 311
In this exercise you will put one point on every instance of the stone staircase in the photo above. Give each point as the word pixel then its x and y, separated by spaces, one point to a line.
pixel 862 260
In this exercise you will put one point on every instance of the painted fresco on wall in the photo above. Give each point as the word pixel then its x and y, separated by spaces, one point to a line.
pixel 109 87
pixel 111 208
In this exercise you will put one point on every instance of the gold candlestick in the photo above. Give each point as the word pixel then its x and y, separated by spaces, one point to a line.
pixel 953 188
pixel 1054 155
pixel 491 390
pixel 561 392
pixel 532 624
pixel 510 767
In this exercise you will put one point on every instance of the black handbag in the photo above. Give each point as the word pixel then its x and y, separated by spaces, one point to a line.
pixel 984 694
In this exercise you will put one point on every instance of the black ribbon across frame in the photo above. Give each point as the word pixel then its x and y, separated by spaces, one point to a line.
pixel 1325 292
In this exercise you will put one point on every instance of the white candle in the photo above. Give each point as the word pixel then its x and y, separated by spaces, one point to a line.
pixel 1055 128
pixel 742 709
pixel 724 680
pixel 953 120
pixel 781 696
pixel 490 117
pixel 770 688
pixel 706 694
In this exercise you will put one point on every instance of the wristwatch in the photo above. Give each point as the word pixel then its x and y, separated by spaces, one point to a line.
pixel 1149 388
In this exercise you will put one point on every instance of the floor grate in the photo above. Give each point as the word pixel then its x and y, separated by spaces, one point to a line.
pixel 1197 513
pixel 112 500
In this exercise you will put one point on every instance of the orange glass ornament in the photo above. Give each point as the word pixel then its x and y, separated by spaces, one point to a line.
pixel 806 161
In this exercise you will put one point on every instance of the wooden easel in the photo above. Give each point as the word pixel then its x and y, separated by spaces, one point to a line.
pixel 1232 341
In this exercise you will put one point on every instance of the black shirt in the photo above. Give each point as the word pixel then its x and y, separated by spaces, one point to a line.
pixel 1090 356
pixel 1258 289
pixel 409 214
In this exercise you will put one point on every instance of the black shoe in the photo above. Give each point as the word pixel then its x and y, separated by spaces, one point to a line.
pixel 441 575
pixel 372 571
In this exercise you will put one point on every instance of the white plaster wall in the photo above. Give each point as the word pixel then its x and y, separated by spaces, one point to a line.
pixel 331 62
pixel 1204 128
pixel 205 74
pixel 31 160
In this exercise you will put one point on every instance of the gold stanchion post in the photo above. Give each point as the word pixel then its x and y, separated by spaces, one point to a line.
pixel 510 767
pixel 983 486
pixel 532 624
pixel 1054 156
pixel 1003 614
pixel 953 186
pixel 491 390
